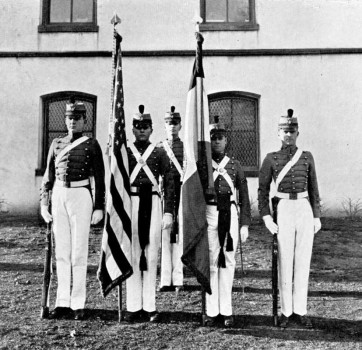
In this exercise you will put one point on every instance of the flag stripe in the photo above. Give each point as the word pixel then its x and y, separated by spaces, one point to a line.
pixel 119 208
pixel 115 262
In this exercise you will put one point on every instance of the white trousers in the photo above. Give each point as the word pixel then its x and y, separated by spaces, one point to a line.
pixel 141 286
pixel 295 240
pixel 221 279
pixel 171 264
pixel 72 211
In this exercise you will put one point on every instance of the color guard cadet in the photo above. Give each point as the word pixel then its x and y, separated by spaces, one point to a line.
pixel 146 164
pixel 72 160
pixel 228 213
pixel 172 242
pixel 298 212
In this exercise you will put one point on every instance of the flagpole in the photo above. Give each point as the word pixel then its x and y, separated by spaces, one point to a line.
pixel 115 20
pixel 199 95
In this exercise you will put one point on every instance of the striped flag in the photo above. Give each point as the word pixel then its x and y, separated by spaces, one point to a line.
pixel 198 182
pixel 115 261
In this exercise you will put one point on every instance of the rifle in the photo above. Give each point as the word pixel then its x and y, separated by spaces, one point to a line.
pixel 275 201
pixel 47 274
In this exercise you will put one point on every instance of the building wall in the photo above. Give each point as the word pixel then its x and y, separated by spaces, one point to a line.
pixel 323 90
pixel 167 25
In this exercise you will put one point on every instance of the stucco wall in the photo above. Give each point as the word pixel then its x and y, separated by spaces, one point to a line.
pixel 323 93
pixel 167 25
pixel 323 90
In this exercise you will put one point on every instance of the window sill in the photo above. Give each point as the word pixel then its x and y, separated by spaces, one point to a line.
pixel 228 27
pixel 66 28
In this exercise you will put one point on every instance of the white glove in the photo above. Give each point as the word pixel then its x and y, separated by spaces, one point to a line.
pixel 97 216
pixel 270 224
pixel 317 225
pixel 167 221
pixel 45 214
pixel 244 233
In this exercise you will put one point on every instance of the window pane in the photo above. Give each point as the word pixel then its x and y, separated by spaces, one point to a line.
pixel 239 11
pixel 59 11
pixel 215 10
pixel 56 117
pixel 82 10
pixel 240 118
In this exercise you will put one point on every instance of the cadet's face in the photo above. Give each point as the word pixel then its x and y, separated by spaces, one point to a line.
pixel 288 138
pixel 142 133
pixel 75 123
pixel 172 129
pixel 218 143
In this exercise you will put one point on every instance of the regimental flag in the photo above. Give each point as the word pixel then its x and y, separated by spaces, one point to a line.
pixel 114 266
pixel 198 182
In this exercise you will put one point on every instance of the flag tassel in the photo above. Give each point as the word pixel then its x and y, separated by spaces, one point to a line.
pixel 143 261
pixel 229 243
pixel 221 259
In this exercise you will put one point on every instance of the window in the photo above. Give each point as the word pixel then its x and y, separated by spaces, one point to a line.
pixel 228 15
pixel 239 111
pixel 69 16
pixel 53 120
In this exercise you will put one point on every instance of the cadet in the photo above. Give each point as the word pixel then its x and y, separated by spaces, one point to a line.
pixel 172 242
pixel 146 165
pixel 294 173
pixel 224 223
pixel 71 161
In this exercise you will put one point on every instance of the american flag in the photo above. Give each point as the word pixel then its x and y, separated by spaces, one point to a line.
pixel 198 181
pixel 114 266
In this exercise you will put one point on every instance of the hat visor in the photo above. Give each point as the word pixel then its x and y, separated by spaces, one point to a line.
pixel 288 128
pixel 217 131
pixel 139 124
pixel 75 114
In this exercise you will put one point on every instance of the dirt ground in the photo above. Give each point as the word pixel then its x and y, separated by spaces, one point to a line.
pixel 335 299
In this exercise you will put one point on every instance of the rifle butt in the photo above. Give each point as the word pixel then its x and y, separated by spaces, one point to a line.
pixel 203 307
pixel 44 312
pixel 275 279
pixel 275 320
pixel 120 311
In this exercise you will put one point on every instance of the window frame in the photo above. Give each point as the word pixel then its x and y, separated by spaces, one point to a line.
pixel 229 26
pixel 47 27
pixel 44 124
pixel 249 171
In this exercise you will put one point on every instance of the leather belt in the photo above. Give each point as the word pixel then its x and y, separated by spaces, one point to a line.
pixel 135 190
pixel 71 184
pixel 292 196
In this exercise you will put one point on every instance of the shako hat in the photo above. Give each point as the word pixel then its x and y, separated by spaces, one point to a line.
pixel 172 115
pixel 217 126
pixel 288 122
pixel 141 118
pixel 73 108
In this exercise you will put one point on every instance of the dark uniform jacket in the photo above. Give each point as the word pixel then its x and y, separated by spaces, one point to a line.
pixel 177 147
pixel 78 164
pixel 233 168
pixel 159 164
pixel 300 178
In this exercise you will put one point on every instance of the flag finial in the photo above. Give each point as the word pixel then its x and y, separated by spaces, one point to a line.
pixel 197 20
pixel 115 19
